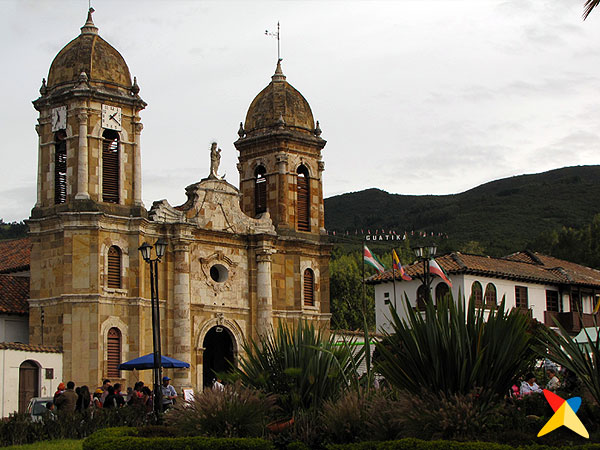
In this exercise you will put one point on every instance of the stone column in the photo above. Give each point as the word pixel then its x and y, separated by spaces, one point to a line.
pixel 40 175
pixel 321 206
pixel 264 292
pixel 283 194
pixel 137 163
pixel 182 325
pixel 82 158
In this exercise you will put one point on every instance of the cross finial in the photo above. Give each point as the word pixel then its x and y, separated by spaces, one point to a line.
pixel 277 35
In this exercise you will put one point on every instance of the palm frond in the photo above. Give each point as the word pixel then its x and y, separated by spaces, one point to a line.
pixel 588 7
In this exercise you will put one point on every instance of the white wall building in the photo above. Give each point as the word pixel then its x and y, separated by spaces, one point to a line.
pixel 543 286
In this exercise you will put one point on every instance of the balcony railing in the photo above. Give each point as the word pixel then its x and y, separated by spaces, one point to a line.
pixel 570 321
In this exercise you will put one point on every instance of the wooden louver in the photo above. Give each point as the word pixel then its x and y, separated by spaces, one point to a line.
pixel 260 195
pixel 110 167
pixel 113 271
pixel 477 294
pixel 303 205
pixel 490 296
pixel 60 172
pixel 309 288
pixel 113 346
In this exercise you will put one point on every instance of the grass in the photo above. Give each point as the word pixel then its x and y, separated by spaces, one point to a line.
pixel 59 444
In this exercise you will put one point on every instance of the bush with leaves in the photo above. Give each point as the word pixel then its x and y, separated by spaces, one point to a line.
pixel 299 364
pixel 451 349
pixel 235 411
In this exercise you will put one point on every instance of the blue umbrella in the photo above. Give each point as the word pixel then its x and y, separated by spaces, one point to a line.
pixel 147 362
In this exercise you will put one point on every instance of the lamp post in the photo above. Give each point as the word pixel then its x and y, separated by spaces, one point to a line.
pixel 145 249
pixel 424 254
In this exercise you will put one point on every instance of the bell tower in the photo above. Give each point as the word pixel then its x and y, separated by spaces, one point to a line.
pixel 89 131
pixel 280 163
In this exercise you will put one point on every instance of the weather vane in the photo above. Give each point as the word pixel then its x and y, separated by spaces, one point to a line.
pixel 268 33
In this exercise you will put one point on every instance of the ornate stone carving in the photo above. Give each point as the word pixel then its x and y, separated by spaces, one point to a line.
pixel 321 165
pixel 220 258
pixel 215 160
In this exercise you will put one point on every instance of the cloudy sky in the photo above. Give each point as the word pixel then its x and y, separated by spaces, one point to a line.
pixel 413 96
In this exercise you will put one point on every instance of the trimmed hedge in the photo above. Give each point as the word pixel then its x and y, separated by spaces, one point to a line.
pixel 418 444
pixel 128 439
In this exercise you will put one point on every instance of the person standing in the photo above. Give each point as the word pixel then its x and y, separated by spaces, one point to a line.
pixel 119 395
pixel 84 399
pixel 105 385
pixel 168 394
pixel 67 400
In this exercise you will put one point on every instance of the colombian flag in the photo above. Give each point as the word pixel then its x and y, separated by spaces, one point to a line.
pixel 398 266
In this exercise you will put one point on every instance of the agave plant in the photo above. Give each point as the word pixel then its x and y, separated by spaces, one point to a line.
pixel 299 364
pixel 583 360
pixel 455 350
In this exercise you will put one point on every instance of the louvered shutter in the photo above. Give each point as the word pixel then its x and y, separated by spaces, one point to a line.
pixel 309 288
pixel 260 195
pixel 490 296
pixel 303 205
pixel 113 345
pixel 113 271
pixel 110 168
pixel 477 294
pixel 60 172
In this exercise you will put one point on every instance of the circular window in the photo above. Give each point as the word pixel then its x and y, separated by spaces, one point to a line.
pixel 219 273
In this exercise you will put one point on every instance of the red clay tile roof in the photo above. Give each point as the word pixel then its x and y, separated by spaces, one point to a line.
pixel 15 255
pixel 14 292
pixel 524 266
pixel 28 347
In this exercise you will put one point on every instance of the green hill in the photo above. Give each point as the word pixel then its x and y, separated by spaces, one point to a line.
pixel 502 216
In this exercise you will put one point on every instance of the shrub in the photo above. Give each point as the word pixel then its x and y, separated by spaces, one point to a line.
pixel 300 365
pixel 235 411
pixel 453 350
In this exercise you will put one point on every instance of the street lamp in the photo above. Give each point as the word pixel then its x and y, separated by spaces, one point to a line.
pixel 160 246
pixel 424 254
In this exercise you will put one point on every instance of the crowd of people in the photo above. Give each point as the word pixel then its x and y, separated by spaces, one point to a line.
pixel 529 384
pixel 70 399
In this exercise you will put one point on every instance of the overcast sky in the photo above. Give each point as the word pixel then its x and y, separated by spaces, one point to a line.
pixel 413 97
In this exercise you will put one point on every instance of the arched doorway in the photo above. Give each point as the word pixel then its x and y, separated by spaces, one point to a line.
pixel 29 380
pixel 218 353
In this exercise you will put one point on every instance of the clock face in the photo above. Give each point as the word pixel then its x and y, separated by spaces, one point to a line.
pixel 59 118
pixel 111 117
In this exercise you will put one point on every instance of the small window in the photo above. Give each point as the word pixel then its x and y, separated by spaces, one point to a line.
pixel 60 167
pixel 552 301
pixel 110 166
pixel 422 298
pixel 303 199
pixel 575 302
pixel 309 288
pixel 386 298
pixel 477 294
pixel 491 296
pixel 113 272
pixel 113 346
pixel 219 273
pixel 441 291
pixel 521 300
pixel 260 190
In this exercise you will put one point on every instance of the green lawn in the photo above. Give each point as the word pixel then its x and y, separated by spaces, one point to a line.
pixel 61 444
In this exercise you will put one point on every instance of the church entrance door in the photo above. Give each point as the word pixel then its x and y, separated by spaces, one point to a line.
pixel 29 376
pixel 218 353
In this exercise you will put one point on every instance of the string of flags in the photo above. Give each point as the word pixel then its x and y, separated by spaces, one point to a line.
pixel 370 234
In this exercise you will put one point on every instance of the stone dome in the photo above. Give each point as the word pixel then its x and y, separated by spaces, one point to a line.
pixel 91 54
pixel 279 104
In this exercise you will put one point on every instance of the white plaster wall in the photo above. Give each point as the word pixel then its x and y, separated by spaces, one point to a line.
pixel 10 361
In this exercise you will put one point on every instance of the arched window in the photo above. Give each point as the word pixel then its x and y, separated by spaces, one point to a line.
pixel 477 294
pixel 441 290
pixel 491 296
pixel 309 288
pixel 60 167
pixel 113 352
pixel 303 199
pixel 260 190
pixel 113 270
pixel 422 298
pixel 110 166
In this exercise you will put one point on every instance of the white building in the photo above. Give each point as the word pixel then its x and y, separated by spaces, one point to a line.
pixel 543 286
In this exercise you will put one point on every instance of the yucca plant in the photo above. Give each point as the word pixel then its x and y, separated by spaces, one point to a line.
pixel 583 360
pixel 455 350
pixel 299 364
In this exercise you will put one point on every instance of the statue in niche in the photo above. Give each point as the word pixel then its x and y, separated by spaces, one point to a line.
pixel 215 160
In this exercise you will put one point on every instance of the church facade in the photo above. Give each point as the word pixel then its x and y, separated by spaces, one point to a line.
pixel 237 260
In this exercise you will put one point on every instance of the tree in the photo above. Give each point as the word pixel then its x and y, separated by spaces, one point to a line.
pixel 588 7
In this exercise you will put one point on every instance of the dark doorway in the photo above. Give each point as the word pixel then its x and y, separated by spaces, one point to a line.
pixel 29 379
pixel 218 353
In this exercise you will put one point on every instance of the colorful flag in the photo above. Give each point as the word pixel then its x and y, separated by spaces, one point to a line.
pixel 435 269
pixel 398 267
pixel 372 260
